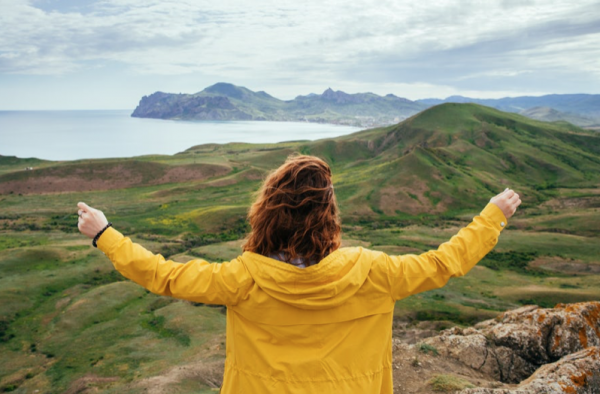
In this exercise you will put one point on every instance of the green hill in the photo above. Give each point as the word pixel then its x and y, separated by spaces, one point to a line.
pixel 69 323
pixel 451 157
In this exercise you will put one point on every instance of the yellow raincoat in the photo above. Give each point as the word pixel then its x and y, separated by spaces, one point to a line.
pixel 326 328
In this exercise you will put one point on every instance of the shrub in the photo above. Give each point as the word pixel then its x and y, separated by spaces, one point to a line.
pixel 4 335
pixel 511 260
pixel 427 348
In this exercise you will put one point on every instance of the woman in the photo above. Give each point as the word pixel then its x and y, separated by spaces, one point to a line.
pixel 303 314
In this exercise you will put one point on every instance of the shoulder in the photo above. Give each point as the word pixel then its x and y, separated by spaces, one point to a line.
pixel 363 256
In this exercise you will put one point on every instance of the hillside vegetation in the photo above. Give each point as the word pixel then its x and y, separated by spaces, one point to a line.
pixel 69 323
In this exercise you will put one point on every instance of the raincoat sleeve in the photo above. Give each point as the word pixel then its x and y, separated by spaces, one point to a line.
pixel 196 280
pixel 411 274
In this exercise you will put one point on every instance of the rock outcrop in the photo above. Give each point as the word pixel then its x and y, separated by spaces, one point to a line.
pixel 552 349
pixel 177 106
pixel 577 373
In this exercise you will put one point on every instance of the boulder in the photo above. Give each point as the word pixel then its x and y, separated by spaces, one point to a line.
pixel 577 373
pixel 513 346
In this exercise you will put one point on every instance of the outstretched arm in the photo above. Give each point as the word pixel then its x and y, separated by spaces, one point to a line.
pixel 196 280
pixel 410 274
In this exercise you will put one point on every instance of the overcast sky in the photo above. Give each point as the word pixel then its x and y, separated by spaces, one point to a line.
pixel 107 54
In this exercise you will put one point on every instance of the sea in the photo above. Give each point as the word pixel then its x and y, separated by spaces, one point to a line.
pixel 73 135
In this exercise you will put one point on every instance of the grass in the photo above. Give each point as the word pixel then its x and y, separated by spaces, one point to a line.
pixel 65 313
pixel 157 325
pixel 446 383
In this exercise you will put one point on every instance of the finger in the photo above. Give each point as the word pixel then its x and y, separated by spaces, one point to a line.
pixel 502 193
pixel 512 199
pixel 499 195
pixel 509 193
pixel 84 207
pixel 514 206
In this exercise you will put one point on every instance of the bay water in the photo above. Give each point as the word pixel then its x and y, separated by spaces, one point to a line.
pixel 73 135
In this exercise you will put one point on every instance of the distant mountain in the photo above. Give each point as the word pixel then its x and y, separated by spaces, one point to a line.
pixel 225 101
pixel 548 114
pixel 580 109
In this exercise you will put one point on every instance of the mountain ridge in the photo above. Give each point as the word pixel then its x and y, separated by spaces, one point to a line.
pixel 240 103
pixel 587 105
pixel 225 101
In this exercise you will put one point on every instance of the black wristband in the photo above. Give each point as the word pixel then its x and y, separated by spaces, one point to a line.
pixel 99 234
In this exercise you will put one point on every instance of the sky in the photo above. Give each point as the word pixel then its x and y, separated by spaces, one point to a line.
pixel 107 54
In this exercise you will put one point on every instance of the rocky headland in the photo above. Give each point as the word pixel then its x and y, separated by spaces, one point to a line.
pixel 225 101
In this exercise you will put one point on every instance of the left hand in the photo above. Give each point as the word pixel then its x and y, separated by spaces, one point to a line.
pixel 91 220
pixel 508 201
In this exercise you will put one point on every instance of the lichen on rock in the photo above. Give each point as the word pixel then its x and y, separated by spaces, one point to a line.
pixel 545 350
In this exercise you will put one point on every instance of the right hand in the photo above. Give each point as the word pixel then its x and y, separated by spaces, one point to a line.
pixel 91 221
pixel 507 201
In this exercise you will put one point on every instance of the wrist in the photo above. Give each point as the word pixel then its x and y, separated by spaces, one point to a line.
pixel 95 240
pixel 495 214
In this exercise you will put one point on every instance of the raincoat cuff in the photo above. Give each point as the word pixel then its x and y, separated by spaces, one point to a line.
pixel 108 240
pixel 495 216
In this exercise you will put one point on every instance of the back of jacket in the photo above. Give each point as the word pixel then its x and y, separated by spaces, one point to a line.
pixel 325 328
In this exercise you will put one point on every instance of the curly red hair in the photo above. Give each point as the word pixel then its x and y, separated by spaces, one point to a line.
pixel 296 212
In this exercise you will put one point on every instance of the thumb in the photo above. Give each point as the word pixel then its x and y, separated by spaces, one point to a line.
pixel 84 206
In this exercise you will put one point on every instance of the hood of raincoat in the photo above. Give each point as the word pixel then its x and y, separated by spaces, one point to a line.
pixel 336 287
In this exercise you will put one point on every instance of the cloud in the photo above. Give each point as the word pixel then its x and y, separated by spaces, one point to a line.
pixel 524 55
pixel 56 42
pixel 472 45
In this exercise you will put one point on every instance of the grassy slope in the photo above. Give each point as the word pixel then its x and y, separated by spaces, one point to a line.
pixel 66 316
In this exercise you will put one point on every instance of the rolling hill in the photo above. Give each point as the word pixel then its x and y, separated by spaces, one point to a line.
pixel 451 156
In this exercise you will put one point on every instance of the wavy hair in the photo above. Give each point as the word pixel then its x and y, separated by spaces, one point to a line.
pixel 296 212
